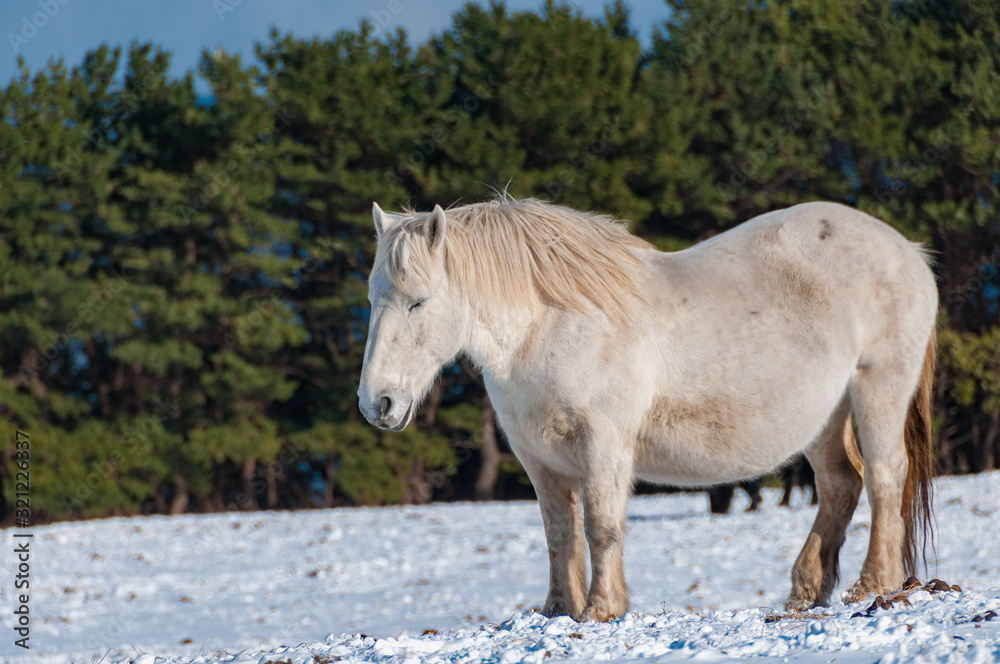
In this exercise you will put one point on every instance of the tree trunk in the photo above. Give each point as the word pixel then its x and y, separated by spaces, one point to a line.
pixel 417 490
pixel 976 454
pixel 30 364
pixel 220 488
pixel 272 489
pixel 249 470
pixel 490 456
pixel 988 443
pixel 181 496
pixel 160 505
pixel 331 468
pixel 433 403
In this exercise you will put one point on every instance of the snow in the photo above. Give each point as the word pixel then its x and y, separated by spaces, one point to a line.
pixel 365 585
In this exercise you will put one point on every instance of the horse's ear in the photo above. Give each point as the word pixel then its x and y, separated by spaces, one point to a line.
pixel 435 228
pixel 382 220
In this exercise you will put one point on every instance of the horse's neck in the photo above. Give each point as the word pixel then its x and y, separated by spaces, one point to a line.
pixel 495 337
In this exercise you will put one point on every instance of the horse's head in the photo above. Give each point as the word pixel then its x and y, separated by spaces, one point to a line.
pixel 416 323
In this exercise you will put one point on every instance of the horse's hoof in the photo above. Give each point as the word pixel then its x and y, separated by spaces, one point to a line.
pixel 557 608
pixel 601 614
pixel 799 605
pixel 858 593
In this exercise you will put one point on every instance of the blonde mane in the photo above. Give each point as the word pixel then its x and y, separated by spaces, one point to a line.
pixel 524 253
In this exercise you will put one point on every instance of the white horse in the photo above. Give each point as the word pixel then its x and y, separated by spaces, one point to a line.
pixel 607 360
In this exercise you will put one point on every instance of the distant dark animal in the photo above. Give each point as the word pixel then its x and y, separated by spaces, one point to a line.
pixel 800 474
pixel 720 498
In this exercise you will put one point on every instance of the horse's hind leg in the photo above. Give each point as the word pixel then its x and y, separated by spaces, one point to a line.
pixel 880 397
pixel 835 460
pixel 558 498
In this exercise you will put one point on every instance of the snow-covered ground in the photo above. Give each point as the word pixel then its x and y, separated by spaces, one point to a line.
pixel 457 582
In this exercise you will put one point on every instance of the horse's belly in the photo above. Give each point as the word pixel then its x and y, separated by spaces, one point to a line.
pixel 697 464
pixel 703 447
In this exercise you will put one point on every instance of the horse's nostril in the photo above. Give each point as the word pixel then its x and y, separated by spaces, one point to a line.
pixel 383 407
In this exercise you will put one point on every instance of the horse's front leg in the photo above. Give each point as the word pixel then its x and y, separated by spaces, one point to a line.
pixel 558 498
pixel 606 487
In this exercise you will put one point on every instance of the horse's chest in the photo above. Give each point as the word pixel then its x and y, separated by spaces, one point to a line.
pixel 546 430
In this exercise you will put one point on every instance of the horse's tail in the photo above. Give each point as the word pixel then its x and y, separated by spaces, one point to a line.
pixel 917 494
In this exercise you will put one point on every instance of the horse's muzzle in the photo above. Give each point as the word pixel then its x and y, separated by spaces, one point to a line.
pixel 383 412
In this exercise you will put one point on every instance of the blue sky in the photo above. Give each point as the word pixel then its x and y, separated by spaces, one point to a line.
pixel 41 29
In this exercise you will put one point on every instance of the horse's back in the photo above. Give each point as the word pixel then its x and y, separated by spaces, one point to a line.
pixel 826 256
pixel 764 327
pixel 878 280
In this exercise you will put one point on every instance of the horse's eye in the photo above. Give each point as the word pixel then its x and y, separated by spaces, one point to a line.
pixel 416 305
